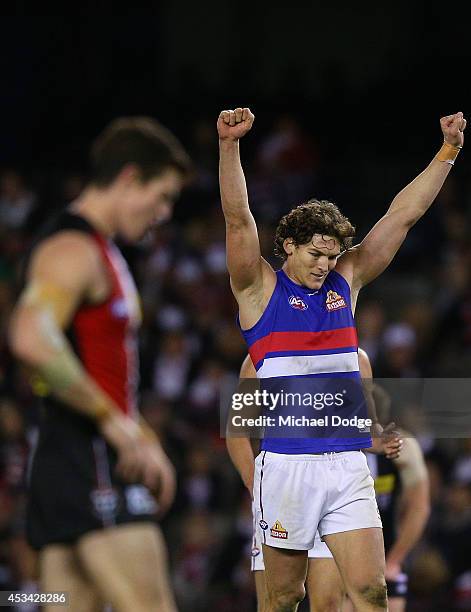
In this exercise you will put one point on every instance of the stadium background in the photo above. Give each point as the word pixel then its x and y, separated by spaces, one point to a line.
pixel 347 104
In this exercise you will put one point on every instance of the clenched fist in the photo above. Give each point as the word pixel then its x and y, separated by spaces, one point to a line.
pixel 233 124
pixel 453 127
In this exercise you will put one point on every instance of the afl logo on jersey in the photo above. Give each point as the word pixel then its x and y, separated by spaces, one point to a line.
pixel 335 301
pixel 297 303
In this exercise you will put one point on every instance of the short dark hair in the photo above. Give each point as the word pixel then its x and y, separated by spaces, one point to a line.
pixel 136 140
pixel 313 217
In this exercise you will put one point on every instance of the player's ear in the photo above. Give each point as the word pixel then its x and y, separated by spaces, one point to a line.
pixel 289 246
pixel 130 174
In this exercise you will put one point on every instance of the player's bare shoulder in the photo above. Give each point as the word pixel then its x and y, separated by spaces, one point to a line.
pixel 71 259
pixel 346 264
pixel 254 299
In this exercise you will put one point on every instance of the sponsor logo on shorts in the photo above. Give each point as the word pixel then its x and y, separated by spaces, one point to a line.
pixel 263 524
pixel 139 500
pixel 334 301
pixel 105 502
pixel 297 303
pixel 255 551
pixel 278 531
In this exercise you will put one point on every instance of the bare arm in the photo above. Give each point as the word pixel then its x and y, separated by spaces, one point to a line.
pixel 242 456
pixel 384 441
pixel 60 277
pixel 415 504
pixel 372 256
pixel 367 380
pixel 247 269
pixel 240 449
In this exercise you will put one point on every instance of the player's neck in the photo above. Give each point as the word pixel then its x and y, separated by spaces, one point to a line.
pixel 96 206
pixel 290 274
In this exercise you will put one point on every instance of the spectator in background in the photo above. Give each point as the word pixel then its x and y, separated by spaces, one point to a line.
pixel 462 468
pixel 370 321
pixel 200 485
pixel 196 549
pixel 286 163
pixel 16 200
pixel 453 533
pixel 398 354
pixel 171 367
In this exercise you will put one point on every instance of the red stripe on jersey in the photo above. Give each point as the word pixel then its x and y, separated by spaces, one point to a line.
pixel 105 335
pixel 303 341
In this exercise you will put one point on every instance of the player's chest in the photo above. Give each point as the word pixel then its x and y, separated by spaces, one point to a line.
pixel 323 309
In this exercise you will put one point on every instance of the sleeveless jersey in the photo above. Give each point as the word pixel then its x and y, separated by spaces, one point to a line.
pixel 306 334
pixel 387 488
pixel 103 335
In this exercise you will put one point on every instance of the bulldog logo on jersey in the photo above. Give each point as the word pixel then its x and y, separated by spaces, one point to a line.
pixel 297 303
pixel 278 531
pixel 335 301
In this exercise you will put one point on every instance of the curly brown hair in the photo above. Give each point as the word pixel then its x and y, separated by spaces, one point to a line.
pixel 313 217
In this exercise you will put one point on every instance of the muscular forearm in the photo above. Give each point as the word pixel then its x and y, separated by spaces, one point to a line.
pixel 241 453
pixel 69 382
pixel 415 199
pixel 410 529
pixel 40 344
pixel 234 196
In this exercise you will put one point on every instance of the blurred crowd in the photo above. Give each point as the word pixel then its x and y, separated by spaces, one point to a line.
pixel 415 321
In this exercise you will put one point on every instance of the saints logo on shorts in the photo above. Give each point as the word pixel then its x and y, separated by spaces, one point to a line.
pixel 105 503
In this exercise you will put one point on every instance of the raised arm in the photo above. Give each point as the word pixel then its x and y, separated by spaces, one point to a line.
pixel 247 269
pixel 367 260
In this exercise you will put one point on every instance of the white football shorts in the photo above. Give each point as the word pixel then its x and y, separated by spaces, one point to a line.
pixel 297 495
pixel 320 550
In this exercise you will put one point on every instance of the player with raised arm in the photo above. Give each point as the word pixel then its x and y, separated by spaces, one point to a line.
pixel 297 322
pixel 90 512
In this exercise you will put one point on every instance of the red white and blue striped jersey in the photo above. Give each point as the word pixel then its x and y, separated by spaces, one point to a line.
pixel 303 334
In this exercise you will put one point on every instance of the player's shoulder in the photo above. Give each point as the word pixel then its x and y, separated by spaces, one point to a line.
pixel 65 245
pixel 68 256
pixel 346 264
pixel 411 452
